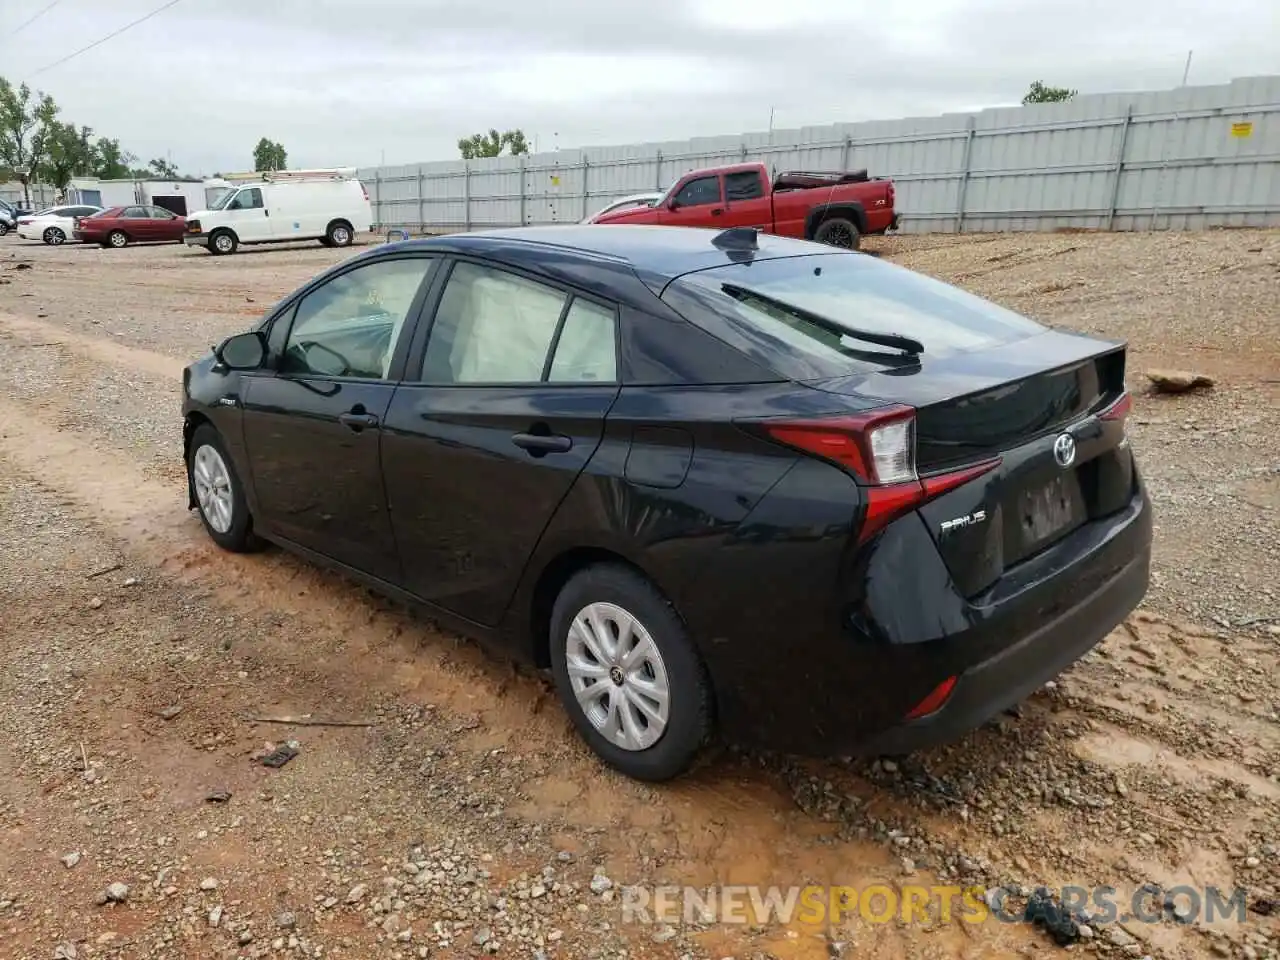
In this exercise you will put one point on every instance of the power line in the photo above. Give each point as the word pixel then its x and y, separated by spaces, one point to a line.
pixel 28 22
pixel 109 36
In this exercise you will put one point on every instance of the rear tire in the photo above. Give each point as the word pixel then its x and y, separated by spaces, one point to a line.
pixel 220 498
pixel 222 242
pixel 838 232
pixel 4 228
pixel 117 239
pixel 339 234
pixel 627 724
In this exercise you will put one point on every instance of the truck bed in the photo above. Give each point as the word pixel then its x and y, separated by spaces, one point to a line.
pixel 806 180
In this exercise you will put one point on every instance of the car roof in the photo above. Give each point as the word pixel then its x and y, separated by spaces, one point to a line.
pixel 658 254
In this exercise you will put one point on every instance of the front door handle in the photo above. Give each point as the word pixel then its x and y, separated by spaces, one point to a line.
pixel 540 443
pixel 357 421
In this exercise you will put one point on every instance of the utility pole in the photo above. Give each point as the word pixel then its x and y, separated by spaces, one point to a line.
pixel 1187 69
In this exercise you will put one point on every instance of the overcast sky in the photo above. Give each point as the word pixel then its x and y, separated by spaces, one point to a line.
pixel 346 82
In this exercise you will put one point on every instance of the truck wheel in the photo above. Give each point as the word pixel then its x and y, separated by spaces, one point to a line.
pixel 339 234
pixel 222 241
pixel 838 232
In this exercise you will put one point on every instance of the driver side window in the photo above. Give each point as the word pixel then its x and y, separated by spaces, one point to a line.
pixel 695 193
pixel 349 327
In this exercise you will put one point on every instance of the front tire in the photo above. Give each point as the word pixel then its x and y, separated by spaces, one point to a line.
pixel 838 232
pixel 628 674
pixel 220 498
pixel 117 239
pixel 54 237
pixel 4 228
pixel 223 242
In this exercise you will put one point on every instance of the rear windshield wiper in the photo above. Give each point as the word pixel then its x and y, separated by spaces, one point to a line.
pixel 895 340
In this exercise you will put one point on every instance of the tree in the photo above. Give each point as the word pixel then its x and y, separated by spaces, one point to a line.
pixel 269 155
pixel 162 169
pixel 69 152
pixel 25 122
pixel 1039 93
pixel 110 162
pixel 492 143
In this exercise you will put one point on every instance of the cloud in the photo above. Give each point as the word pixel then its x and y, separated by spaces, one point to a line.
pixel 341 82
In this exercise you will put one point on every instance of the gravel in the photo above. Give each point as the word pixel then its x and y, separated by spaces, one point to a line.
pixel 468 820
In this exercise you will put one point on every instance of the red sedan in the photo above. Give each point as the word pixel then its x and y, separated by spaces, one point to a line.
pixel 120 226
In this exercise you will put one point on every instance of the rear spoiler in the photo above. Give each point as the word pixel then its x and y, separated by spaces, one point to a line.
pixel 804 179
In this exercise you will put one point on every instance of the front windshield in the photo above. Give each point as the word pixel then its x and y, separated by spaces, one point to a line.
pixel 222 201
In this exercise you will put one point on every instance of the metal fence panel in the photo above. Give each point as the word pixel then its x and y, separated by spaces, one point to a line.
pixel 1128 161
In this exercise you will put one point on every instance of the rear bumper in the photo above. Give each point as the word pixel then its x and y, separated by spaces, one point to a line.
pixel 830 664
pixel 1014 673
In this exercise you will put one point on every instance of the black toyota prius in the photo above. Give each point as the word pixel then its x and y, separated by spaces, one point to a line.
pixel 714 481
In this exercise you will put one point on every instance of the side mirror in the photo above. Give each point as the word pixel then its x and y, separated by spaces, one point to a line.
pixel 673 204
pixel 244 351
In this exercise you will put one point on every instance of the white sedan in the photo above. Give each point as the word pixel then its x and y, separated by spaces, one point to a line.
pixel 646 199
pixel 53 225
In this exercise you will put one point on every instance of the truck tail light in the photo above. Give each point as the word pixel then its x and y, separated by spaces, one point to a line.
pixel 878 449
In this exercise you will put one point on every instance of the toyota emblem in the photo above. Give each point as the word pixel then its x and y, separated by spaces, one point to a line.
pixel 1064 450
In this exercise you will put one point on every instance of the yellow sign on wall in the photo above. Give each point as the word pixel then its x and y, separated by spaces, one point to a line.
pixel 1244 129
pixel 555 181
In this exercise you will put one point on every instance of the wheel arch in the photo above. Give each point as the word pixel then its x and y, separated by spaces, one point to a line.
pixel 190 425
pixel 849 210
pixel 533 615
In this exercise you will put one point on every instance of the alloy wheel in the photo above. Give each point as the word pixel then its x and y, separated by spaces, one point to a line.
pixel 213 487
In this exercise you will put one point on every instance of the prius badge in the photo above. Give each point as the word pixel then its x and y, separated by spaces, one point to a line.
pixel 968 520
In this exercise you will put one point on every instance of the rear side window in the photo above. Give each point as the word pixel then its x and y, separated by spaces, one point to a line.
pixel 743 186
pixel 586 351
pixel 857 292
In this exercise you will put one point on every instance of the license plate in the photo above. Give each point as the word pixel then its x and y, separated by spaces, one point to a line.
pixel 1050 509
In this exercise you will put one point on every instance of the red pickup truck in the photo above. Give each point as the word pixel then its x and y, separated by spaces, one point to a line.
pixel 833 208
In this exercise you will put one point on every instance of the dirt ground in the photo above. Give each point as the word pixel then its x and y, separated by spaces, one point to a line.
pixel 462 817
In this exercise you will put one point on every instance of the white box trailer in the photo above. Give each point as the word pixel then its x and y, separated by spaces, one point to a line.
pixel 177 196
pixel 102 193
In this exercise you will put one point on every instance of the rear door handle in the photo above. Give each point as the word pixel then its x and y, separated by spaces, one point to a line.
pixel 716 211
pixel 540 443
pixel 357 421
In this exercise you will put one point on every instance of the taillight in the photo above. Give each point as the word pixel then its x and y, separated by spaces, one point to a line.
pixel 879 449
pixel 934 701
pixel 1118 410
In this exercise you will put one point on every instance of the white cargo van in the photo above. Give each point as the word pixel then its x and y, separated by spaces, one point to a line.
pixel 329 206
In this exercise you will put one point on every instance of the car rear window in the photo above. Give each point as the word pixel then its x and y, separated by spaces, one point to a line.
pixel 857 292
